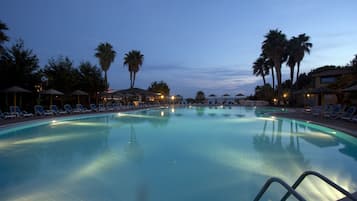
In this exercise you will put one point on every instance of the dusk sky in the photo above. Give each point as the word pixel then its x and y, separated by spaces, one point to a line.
pixel 192 45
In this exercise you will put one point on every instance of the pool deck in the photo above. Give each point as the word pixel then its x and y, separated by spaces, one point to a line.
pixel 348 127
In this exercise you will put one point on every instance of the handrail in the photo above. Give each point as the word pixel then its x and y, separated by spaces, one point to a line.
pixel 281 182
pixel 323 178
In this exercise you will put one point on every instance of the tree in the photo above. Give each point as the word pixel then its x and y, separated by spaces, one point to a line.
pixel 304 81
pixel 265 92
pixel 353 64
pixel 293 51
pixel 19 66
pixel 91 79
pixel 200 97
pixel 133 60
pixel 3 36
pixel 159 87
pixel 62 75
pixel 303 46
pixel 260 68
pixel 106 55
pixel 274 47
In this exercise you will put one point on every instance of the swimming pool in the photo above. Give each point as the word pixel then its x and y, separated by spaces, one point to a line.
pixel 170 154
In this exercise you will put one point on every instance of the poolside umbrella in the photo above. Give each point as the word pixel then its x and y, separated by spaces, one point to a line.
pixel 239 96
pixel 79 93
pixel 52 92
pixel 15 90
pixel 212 96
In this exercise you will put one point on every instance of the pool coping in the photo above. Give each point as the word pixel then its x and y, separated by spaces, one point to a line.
pixel 297 114
pixel 290 113
pixel 13 126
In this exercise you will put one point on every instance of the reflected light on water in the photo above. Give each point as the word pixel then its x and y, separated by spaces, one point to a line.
pixel 102 163
pixel 49 139
pixel 311 188
pixel 267 118
pixel 55 123
pixel 138 116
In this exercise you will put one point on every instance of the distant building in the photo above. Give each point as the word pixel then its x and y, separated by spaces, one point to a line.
pixel 320 94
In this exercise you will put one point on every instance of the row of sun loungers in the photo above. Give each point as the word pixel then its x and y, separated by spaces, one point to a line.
pixel 39 110
pixel 336 112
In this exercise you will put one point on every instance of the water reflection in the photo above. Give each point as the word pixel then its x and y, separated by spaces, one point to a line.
pixel 200 111
pixel 285 158
pixel 157 118
pixel 133 149
pixel 49 156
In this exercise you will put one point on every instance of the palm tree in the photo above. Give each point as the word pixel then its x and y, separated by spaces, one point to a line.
pixel 274 47
pixel 260 69
pixel 270 65
pixel 304 46
pixel 133 60
pixel 292 49
pixel 106 55
pixel 3 36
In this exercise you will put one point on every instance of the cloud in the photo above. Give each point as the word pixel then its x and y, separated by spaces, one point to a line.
pixel 187 80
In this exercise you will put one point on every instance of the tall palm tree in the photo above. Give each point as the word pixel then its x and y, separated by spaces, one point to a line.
pixel 260 68
pixel 270 66
pixel 106 55
pixel 133 60
pixel 292 50
pixel 304 46
pixel 274 47
pixel 3 36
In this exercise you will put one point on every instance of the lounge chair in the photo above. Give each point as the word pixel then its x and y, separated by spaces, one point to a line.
pixel 56 111
pixel 81 108
pixel 16 110
pixel 316 110
pixel 68 108
pixel 116 106
pixel 6 115
pixel 41 112
pixel 354 118
pixel 110 107
pixel 333 111
pixel 93 107
pixel 348 115
pixel 101 108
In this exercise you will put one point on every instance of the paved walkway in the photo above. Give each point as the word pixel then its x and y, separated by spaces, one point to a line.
pixel 338 124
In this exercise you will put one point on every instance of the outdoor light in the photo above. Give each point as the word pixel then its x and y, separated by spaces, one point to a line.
pixel 162 96
pixel 308 95
pixel 172 97
pixel 285 95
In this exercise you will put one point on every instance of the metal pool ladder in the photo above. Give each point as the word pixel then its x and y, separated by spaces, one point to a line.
pixel 291 189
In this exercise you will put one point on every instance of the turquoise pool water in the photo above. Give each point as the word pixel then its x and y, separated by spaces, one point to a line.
pixel 172 154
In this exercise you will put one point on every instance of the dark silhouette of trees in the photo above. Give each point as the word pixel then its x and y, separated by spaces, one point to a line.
pixel 106 55
pixel 133 60
pixel 19 66
pixel 274 47
pixel 200 97
pixel 91 79
pixel 303 46
pixel 3 36
pixel 159 87
pixel 260 68
pixel 62 75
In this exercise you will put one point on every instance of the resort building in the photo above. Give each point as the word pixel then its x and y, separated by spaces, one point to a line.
pixel 321 92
